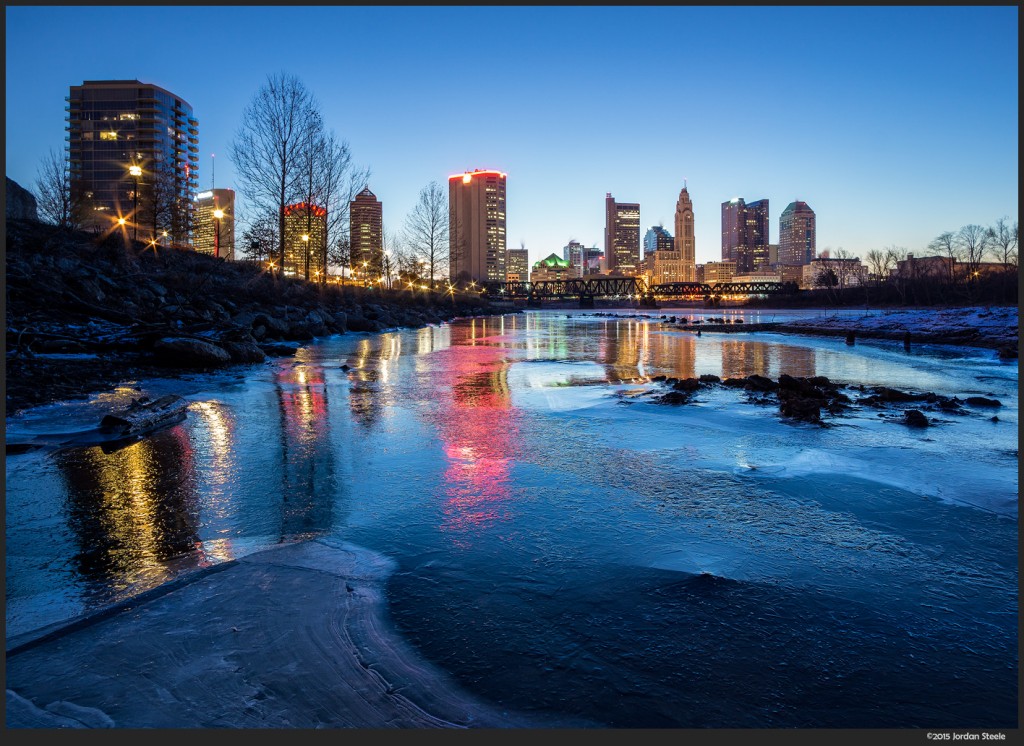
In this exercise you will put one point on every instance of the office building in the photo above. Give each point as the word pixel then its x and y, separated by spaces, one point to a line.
pixel 575 253
pixel 745 234
pixel 657 238
pixel 305 233
pixel 366 233
pixel 621 236
pixel 517 265
pixel 715 272
pixel 215 223
pixel 117 127
pixel 797 234
pixel 551 268
pixel 476 201
pixel 686 243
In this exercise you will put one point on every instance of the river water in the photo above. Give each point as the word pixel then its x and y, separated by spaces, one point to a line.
pixel 566 547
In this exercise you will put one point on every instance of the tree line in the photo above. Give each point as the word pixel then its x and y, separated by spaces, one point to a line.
pixel 284 154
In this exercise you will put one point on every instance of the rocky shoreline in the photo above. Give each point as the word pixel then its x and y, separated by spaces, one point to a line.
pixel 85 314
pixel 806 399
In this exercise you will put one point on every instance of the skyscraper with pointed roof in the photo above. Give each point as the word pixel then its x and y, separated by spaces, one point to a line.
pixel 685 241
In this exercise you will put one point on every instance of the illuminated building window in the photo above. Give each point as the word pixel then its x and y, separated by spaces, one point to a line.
pixel 108 135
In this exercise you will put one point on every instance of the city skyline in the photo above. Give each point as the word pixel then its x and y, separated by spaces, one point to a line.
pixel 889 126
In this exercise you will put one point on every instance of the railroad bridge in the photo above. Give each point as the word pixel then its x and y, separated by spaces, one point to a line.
pixel 586 289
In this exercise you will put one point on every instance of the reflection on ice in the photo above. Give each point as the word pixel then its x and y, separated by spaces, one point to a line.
pixel 598 555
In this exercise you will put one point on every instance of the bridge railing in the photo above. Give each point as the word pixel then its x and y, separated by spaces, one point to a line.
pixel 628 287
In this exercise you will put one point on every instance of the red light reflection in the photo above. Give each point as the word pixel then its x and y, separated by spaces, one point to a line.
pixel 479 433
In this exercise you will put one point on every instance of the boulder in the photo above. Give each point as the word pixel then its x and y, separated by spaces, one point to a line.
pixel 797 407
pixel 981 401
pixel 915 418
pixel 1007 352
pixel 709 378
pixel 187 352
pixel 674 397
pixel 760 383
pixel 688 385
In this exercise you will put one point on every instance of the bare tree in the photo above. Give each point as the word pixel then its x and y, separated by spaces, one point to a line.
pixel 427 230
pixel 339 253
pixel 1003 238
pixel 54 199
pixel 159 201
pixel 309 163
pixel 973 242
pixel 879 264
pixel 945 245
pixel 268 145
pixel 340 181
pixel 260 238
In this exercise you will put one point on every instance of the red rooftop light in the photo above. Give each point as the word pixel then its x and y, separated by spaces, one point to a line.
pixel 468 175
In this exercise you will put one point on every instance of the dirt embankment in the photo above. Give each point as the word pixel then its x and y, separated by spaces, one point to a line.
pixel 83 314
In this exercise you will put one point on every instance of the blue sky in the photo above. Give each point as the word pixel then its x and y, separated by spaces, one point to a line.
pixel 893 124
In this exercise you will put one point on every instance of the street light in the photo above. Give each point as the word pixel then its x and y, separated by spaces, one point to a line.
pixel 218 214
pixel 135 172
pixel 305 254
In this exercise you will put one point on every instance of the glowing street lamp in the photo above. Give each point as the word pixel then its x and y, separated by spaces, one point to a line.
pixel 218 214
pixel 135 172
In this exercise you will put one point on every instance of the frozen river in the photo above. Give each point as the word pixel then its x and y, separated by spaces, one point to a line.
pixel 565 546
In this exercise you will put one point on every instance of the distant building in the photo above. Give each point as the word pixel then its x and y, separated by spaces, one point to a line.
pixel 593 261
pixel 925 267
pixel 621 236
pixel 745 234
pixel 115 125
pixel 762 275
pixel 719 272
pixel 517 265
pixel 215 236
pixel 796 234
pixel 476 201
pixel 826 272
pixel 551 268
pixel 773 254
pixel 790 272
pixel 657 238
pixel 685 241
pixel 305 230
pixel 698 273
pixel 665 265
pixel 366 233
pixel 574 252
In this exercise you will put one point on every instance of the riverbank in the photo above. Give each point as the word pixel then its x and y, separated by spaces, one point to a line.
pixel 204 652
pixel 84 314
pixel 991 327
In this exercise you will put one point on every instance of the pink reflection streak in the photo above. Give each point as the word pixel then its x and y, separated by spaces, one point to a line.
pixel 479 434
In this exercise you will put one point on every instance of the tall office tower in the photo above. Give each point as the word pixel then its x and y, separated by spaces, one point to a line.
pixel 305 232
pixel 757 231
pixel 657 239
pixel 686 244
pixel 745 234
pixel 134 155
pixel 575 253
pixel 517 265
pixel 366 233
pixel 796 234
pixel 621 236
pixel 476 204
pixel 215 223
